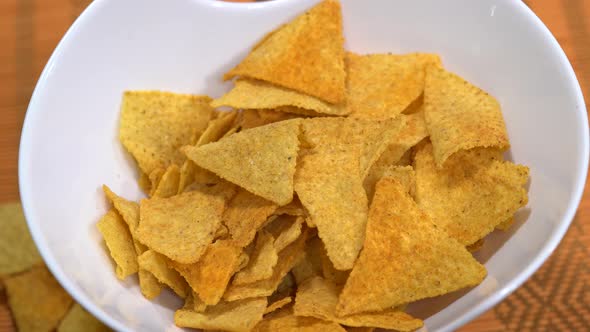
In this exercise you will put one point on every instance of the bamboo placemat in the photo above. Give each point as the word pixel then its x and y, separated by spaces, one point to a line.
pixel 556 298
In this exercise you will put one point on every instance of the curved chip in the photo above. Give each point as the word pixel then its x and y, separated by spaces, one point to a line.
pixel 157 265
pixel 120 243
pixel 262 261
pixel 285 321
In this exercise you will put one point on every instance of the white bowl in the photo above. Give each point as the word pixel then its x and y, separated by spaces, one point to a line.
pixel 69 143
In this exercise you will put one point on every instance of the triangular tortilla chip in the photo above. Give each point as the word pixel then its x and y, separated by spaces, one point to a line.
pixel 306 55
pixel 422 260
pixel 257 118
pixel 473 192
pixel 285 229
pixel 120 243
pixel 155 124
pixel 168 185
pixel 381 86
pixel 260 160
pixel 155 177
pixel 285 321
pixel 405 175
pixel 460 116
pixel 217 128
pixel 129 210
pixel 157 265
pixel 329 185
pixel 255 94
pixel 318 298
pixel 262 261
pixel 17 249
pixel 245 214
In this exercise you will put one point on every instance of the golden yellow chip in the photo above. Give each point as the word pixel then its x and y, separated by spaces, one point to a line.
pixel 310 265
pixel 194 303
pixel 260 160
pixel 381 86
pixel 78 319
pixel 127 209
pixel 285 229
pixel 422 260
pixel 476 246
pixel 262 261
pixel 168 184
pixel 460 116
pixel 255 94
pixel 154 125
pixel 371 137
pixel 318 298
pixel 155 177
pixel 329 272
pixel 17 250
pixel 292 209
pixel 278 304
pixel 187 175
pixel 329 185
pixel 120 243
pixel 306 54
pixel 285 321
pixel 36 300
pixel 359 329
pixel 211 274
pixel 238 316
pixel 506 224
pixel 182 226
pixel 257 118
pixel 157 265
pixel 217 128
pixel 472 193
pixel 245 214
pixel 405 175
pixel 149 285
pixel 144 182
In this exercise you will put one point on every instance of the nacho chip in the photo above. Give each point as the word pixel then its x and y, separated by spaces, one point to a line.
pixel 359 329
pixel 245 214
pixel 180 227
pixel 36 300
pixel 422 261
pixel 239 316
pixel 255 94
pixel 157 265
pixel 295 208
pixel 78 319
pixel 476 246
pixel 405 175
pixel 187 175
pixel 285 321
pixel 144 182
pixel 306 55
pixel 382 86
pixel 330 187
pixel 262 261
pixel 284 229
pixel 472 193
pixel 168 185
pixel 260 160
pixel 149 285
pixel 154 125
pixel 329 272
pixel 155 177
pixel 318 298
pixel 217 128
pixel 460 116
pixel 127 209
pixel 211 274
pixel 506 224
pixel 120 243
pixel 17 250
pixel 310 265
pixel 194 303
pixel 278 304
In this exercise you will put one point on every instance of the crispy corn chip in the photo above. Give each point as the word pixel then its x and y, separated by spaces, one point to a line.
pixel 194 303
pixel 306 55
pixel 405 175
pixel 149 285
pixel 181 226
pixel 17 249
pixel 310 265
pixel 36 299
pixel 381 86
pixel 292 209
pixel 422 261
pixel 255 94
pixel 120 243
pixel 460 116
pixel 472 193
pixel 155 177
pixel 78 319
pixel 278 304
pixel 155 124
pixel 217 128
pixel 285 321
pixel 210 276
pixel 261 160
pixel 168 185
pixel 239 316
pixel 245 214
pixel 329 272
pixel 157 265
pixel 127 209
pixel 330 187
pixel 144 182
pixel 318 298
pixel 476 246
pixel 262 261
pixel 506 224
pixel 187 175
pixel 285 229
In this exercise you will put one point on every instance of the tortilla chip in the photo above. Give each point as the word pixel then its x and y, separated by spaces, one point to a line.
pixel 210 276
pixel 506 224
pixel 306 55
pixel 422 260
pixel 217 128
pixel 329 272
pixel 310 265
pixel 460 116
pixel 382 86
pixel 262 261
pixel 284 229
pixel 255 94
pixel 288 257
pixel 129 210
pixel 17 250
pixel 476 246
pixel 149 285
pixel 472 193
pixel 157 265
pixel 155 177
pixel 359 329
pixel 36 300
pixel 278 304
pixel 260 160
pixel 168 185
pixel 180 227
pixel 245 214
pixel 187 175
pixel 405 175
pixel 318 298
pixel 285 321
pixel 194 303
pixel 371 137
pixel 155 124
pixel 78 319
pixel 239 316
pixel 330 187
pixel 144 182
pixel 120 243
pixel 295 208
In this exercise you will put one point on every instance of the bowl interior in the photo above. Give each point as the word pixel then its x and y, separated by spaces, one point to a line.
pixel 69 146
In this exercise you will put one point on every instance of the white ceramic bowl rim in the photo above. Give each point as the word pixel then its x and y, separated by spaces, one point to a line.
pixel 25 184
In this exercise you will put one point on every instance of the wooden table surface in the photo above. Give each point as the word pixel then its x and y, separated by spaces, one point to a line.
pixel 556 298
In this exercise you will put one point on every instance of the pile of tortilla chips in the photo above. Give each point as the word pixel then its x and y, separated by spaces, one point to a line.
pixel 338 189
